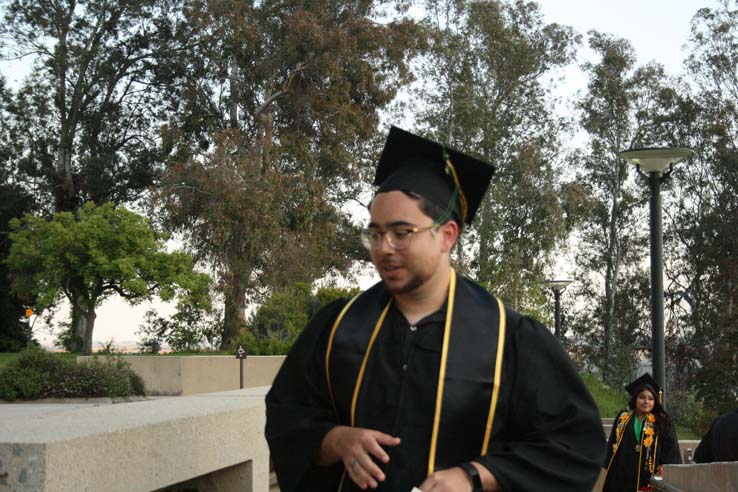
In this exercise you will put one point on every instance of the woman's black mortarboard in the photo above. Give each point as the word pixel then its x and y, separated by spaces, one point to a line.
pixel 645 381
pixel 453 180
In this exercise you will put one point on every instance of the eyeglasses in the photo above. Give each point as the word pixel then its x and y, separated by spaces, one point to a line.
pixel 397 238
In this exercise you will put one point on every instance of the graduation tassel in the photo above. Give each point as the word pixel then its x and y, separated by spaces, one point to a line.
pixel 450 169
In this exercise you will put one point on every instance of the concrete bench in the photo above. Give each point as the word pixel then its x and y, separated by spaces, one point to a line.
pixel 208 442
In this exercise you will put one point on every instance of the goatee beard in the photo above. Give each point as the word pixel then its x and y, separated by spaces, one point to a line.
pixel 412 284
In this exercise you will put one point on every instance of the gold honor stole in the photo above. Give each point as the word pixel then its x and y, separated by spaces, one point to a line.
pixel 468 377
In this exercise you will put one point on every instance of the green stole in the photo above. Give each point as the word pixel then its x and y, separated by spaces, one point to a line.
pixel 469 376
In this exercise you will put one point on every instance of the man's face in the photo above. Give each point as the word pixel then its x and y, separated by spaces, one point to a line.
pixel 407 269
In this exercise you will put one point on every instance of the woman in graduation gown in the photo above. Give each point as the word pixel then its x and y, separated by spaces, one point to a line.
pixel 642 439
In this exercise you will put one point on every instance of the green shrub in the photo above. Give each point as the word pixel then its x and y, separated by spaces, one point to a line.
pixel 137 383
pixel 275 326
pixel 20 382
pixel 38 374
pixel 43 361
pixel 262 346
pixel 684 409
pixel 703 421
pixel 98 379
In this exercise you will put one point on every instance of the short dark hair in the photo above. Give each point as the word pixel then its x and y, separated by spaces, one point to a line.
pixel 433 210
pixel 430 208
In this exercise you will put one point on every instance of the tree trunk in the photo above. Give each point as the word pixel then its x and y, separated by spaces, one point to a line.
pixel 64 193
pixel 613 268
pixel 85 327
pixel 233 99
pixel 235 311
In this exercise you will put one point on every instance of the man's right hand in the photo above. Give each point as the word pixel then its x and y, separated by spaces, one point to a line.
pixel 357 448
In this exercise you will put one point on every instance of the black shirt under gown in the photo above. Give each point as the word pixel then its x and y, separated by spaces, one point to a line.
pixel 622 470
pixel 547 434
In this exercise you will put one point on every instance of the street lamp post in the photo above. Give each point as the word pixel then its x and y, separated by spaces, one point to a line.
pixel 557 286
pixel 655 161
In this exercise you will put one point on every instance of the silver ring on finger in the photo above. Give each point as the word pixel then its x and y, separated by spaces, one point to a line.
pixel 353 462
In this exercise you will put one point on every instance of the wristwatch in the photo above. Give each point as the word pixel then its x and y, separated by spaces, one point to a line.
pixel 473 476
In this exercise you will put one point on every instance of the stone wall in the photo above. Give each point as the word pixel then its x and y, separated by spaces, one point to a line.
pixel 189 375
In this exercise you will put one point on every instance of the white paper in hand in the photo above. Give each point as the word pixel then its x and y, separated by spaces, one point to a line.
pixel 415 489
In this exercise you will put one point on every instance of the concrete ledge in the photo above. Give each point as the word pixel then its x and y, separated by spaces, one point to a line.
pixel 702 477
pixel 195 374
pixel 141 446
pixel 101 400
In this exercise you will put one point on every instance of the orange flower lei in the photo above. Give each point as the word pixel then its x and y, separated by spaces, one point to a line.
pixel 648 430
pixel 624 417
pixel 621 424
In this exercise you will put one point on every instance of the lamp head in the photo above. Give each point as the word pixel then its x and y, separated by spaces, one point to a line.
pixel 656 159
pixel 557 285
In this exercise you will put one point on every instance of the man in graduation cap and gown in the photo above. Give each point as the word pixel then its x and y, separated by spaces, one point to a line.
pixel 427 380
pixel 721 441
pixel 642 439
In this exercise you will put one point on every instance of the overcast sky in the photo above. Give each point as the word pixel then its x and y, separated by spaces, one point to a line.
pixel 657 29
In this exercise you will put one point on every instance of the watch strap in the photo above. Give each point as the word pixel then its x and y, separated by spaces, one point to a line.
pixel 476 480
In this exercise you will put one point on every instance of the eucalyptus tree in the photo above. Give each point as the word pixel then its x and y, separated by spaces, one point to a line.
pixel 83 117
pixel 704 277
pixel 486 91
pixel 272 118
pixel 625 106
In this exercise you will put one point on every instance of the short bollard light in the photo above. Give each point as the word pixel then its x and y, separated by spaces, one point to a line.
pixel 241 356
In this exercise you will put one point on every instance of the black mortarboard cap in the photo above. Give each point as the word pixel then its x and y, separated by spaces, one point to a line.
pixel 416 164
pixel 645 381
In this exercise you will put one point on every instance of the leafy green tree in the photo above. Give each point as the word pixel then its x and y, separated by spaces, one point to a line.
pixel 94 253
pixel 484 91
pixel 83 118
pixel 274 110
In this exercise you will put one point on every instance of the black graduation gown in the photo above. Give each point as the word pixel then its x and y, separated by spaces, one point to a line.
pixel 547 434
pixel 623 468
pixel 721 441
